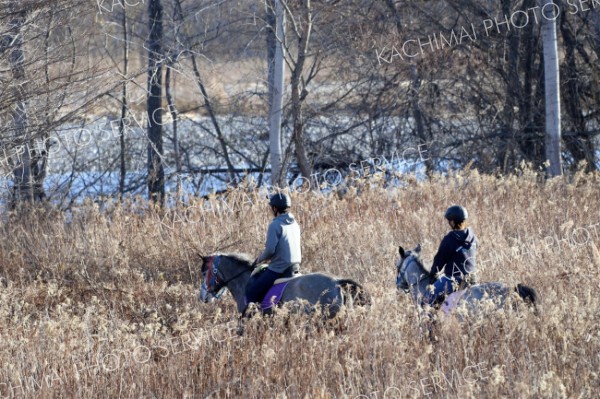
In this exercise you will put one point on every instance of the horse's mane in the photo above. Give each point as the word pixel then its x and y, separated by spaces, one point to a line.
pixel 418 259
pixel 239 257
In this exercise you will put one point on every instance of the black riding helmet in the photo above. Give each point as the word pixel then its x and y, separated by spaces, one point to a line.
pixel 457 213
pixel 280 201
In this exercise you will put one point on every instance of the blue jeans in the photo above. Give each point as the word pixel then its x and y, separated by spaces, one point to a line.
pixel 442 285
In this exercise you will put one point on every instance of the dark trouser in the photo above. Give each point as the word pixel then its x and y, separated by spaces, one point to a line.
pixel 259 284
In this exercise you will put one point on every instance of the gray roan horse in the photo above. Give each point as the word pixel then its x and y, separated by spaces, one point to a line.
pixel 234 270
pixel 414 278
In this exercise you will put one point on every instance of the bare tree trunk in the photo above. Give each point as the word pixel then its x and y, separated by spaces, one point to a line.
pixel 415 81
pixel 529 110
pixel 23 182
pixel 552 95
pixel 512 92
pixel 579 144
pixel 275 37
pixel 298 92
pixel 213 118
pixel 173 112
pixel 123 166
pixel 156 174
pixel 207 103
pixel 596 23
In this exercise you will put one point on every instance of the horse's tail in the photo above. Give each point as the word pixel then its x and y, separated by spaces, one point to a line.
pixel 359 296
pixel 528 294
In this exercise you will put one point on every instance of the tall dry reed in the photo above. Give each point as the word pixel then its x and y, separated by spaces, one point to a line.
pixel 103 303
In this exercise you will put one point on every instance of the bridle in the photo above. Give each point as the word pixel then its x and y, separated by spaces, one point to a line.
pixel 212 283
pixel 402 271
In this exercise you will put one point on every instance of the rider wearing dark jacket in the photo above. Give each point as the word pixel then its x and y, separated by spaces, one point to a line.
pixel 456 256
pixel 282 249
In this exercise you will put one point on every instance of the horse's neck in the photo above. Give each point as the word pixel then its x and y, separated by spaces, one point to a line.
pixel 420 290
pixel 237 287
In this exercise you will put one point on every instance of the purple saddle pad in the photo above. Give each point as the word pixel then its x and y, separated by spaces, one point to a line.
pixel 273 295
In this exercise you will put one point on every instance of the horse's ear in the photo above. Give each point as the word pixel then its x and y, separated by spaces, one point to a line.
pixel 417 248
pixel 401 251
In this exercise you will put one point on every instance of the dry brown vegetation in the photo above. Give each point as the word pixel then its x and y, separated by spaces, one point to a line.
pixel 106 305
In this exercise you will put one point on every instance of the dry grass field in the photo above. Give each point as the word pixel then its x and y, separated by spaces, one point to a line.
pixel 104 304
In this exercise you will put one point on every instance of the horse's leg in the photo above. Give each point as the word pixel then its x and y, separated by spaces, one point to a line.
pixel 333 301
pixel 429 322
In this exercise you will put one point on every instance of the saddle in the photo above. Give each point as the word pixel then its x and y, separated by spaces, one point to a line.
pixel 449 299
pixel 273 296
pixel 286 279
pixel 293 271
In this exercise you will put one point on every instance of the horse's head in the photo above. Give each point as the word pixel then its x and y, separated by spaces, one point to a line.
pixel 409 268
pixel 212 285
pixel 218 270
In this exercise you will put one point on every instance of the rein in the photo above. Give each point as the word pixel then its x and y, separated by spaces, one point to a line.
pixel 404 269
pixel 212 275
pixel 234 277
